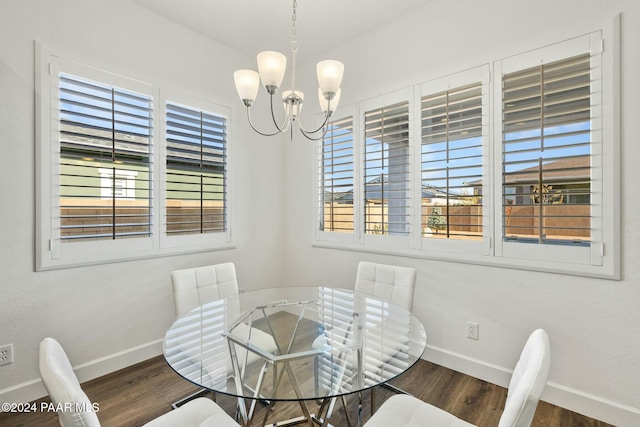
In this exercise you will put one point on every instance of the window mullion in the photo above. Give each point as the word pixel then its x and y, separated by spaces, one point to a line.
pixel 113 159
pixel 540 183
pixel 201 174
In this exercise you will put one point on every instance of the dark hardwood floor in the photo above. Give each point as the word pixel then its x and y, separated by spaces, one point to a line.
pixel 137 394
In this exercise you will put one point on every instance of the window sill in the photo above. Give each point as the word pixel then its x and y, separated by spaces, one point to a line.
pixel 99 259
pixel 608 270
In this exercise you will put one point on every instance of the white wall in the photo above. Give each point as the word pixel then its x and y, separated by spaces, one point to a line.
pixel 127 307
pixel 100 311
pixel 592 323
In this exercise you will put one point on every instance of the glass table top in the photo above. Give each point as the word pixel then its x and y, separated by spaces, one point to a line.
pixel 294 343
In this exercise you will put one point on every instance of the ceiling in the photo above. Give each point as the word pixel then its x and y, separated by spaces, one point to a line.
pixel 251 26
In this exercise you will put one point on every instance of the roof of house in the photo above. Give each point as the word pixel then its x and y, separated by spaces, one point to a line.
pixel 568 169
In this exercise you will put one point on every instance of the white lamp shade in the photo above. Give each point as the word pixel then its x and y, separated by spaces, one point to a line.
pixel 247 83
pixel 271 66
pixel 324 102
pixel 330 75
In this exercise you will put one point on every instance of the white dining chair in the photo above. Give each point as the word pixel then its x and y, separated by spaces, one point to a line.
pixel 387 282
pixel 193 287
pixel 390 283
pixel 76 410
pixel 525 388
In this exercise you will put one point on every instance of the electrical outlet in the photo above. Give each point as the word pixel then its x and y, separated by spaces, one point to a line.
pixel 6 354
pixel 473 330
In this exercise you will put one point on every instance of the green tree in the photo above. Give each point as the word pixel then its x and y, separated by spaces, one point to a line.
pixel 436 220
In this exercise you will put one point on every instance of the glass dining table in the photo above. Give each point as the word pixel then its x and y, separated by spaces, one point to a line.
pixel 298 344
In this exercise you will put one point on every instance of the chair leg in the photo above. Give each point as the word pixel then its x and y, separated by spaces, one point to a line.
pixel 373 400
pixel 346 412
pixel 397 389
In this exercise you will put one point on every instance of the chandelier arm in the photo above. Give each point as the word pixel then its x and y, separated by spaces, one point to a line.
pixel 326 120
pixel 254 128
pixel 281 128
pixel 307 134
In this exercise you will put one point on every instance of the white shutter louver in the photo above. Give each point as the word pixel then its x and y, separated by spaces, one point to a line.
pixel 546 153
pixel 451 161
pixel 105 161
pixel 196 171
pixel 386 171
pixel 336 177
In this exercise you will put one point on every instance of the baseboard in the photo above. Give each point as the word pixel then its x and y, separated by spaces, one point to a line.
pixel 34 389
pixel 574 400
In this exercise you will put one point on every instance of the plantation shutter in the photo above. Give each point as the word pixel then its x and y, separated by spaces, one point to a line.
pixel 386 186
pixel 546 141
pixel 451 159
pixel 208 342
pixel 336 177
pixel 105 161
pixel 196 190
pixel 336 307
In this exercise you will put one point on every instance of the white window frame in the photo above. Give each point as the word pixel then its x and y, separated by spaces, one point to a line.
pixel 50 253
pixel 594 259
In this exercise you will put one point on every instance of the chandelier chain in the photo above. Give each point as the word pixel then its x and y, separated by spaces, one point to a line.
pixel 294 30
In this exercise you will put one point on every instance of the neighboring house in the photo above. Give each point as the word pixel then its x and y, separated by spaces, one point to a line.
pixel 565 181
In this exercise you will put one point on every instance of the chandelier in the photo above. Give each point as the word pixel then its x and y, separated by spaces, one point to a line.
pixel 271 67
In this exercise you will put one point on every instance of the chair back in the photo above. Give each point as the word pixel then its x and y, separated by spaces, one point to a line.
pixel 387 282
pixel 527 382
pixel 193 287
pixel 63 387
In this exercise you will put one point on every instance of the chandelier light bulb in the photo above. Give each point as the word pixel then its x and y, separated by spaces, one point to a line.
pixel 329 76
pixel 247 84
pixel 271 66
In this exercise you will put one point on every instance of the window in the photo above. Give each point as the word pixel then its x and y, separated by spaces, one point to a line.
pixel 546 140
pixel 386 198
pixel 455 173
pixel 105 161
pixel 196 171
pixel 122 185
pixel 452 154
pixel 553 185
pixel 194 186
pixel 518 170
pixel 336 189
pixel 103 169
pixel 386 170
